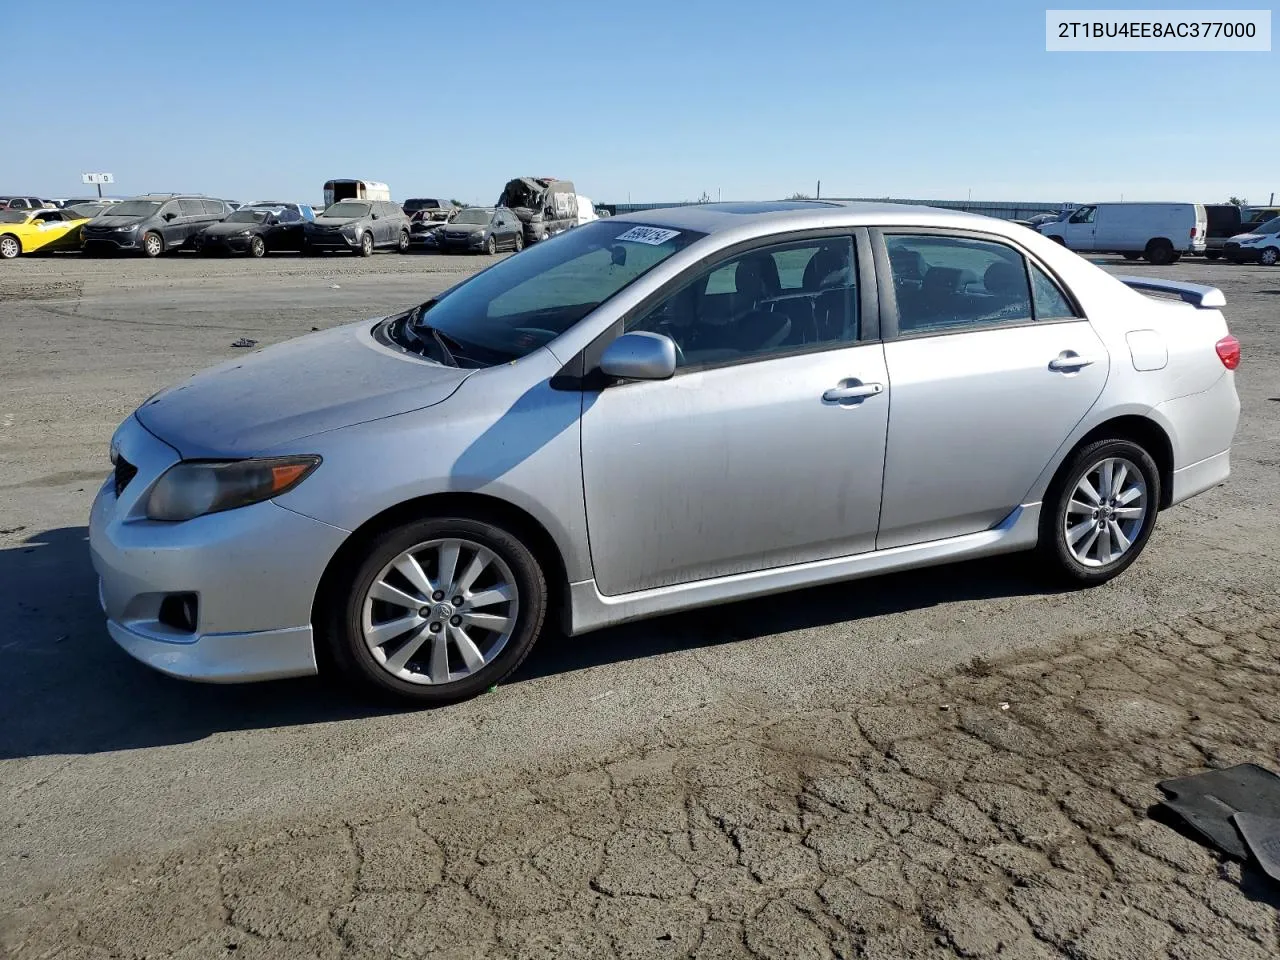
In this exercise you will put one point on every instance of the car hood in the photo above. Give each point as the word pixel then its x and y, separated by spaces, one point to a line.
pixel 231 229
pixel 1241 237
pixel 465 227
pixel 334 221
pixel 315 383
pixel 108 221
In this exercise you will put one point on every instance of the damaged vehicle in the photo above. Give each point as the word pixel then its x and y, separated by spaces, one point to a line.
pixel 607 428
pixel 545 206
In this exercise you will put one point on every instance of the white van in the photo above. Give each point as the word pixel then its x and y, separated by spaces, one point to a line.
pixel 586 210
pixel 1161 232
pixel 335 190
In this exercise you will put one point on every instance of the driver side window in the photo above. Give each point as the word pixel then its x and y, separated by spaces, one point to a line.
pixel 766 302
pixel 1085 215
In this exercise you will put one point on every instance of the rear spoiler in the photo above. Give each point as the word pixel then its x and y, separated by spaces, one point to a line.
pixel 1196 294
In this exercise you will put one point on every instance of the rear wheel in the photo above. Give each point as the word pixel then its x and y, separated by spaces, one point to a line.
pixel 258 247
pixel 10 247
pixel 437 610
pixel 152 245
pixel 1160 253
pixel 366 244
pixel 1099 512
pixel 1269 257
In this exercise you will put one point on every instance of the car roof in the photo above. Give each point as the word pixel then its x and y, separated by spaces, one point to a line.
pixel 782 215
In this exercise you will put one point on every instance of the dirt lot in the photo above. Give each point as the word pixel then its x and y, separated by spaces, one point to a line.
pixel 775 778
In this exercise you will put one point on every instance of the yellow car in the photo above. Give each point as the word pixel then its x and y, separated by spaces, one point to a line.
pixel 26 231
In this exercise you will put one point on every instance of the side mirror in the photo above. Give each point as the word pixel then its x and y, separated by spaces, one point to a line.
pixel 374 216
pixel 640 356
pixel 618 255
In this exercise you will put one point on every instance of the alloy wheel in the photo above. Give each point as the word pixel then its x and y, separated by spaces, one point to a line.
pixel 9 248
pixel 1106 512
pixel 440 611
pixel 1269 256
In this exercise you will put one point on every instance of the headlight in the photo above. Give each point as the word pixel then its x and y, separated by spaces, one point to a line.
pixel 195 488
pixel 129 229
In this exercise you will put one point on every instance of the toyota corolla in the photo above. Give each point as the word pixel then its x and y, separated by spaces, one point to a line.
pixel 653 413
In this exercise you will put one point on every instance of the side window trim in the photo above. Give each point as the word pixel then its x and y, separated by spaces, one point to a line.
pixel 870 325
pixel 889 304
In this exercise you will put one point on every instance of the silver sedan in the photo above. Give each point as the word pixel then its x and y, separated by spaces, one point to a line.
pixel 653 413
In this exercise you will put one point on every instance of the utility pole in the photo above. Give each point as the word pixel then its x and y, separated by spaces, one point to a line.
pixel 1272 201
pixel 818 195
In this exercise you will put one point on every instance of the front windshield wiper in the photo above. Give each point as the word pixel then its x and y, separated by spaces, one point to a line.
pixel 414 327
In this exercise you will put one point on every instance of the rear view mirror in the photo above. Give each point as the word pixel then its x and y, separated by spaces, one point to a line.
pixel 618 255
pixel 640 356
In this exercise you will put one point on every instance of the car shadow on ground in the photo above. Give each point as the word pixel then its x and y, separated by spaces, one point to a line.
pixel 68 689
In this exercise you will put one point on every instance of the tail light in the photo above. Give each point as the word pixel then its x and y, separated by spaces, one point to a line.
pixel 1228 351
pixel 1193 233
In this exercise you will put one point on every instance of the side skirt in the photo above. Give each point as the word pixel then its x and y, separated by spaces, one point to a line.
pixel 591 610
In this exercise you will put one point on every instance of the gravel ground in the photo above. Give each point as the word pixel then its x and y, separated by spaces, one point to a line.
pixel 775 777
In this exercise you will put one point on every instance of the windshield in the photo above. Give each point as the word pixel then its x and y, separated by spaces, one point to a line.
pixel 249 216
pixel 526 301
pixel 86 209
pixel 14 216
pixel 348 208
pixel 473 215
pixel 135 208
pixel 1271 226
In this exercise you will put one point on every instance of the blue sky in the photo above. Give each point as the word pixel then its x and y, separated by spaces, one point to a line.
pixel 658 101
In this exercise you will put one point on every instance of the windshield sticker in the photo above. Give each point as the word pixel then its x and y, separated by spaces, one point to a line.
pixel 653 236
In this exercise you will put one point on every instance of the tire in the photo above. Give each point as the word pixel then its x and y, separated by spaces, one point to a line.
pixel 402 245
pixel 1160 253
pixel 1212 254
pixel 257 247
pixel 152 245
pixel 10 247
pixel 1086 563
pixel 519 242
pixel 1130 255
pixel 491 245
pixel 1269 257
pixel 366 244
pixel 354 613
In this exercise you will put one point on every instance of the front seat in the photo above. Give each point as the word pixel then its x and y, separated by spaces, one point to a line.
pixel 1008 287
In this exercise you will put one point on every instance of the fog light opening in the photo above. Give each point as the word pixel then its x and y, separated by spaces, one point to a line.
pixel 179 611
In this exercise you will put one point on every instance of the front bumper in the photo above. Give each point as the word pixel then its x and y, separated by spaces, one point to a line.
pixel 472 241
pixel 222 244
pixel 333 241
pixel 1234 251
pixel 112 241
pixel 254 571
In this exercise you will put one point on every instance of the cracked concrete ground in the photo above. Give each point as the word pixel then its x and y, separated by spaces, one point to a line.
pixel 1000 811
pixel 775 778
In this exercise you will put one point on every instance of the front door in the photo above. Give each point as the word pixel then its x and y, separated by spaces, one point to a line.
pixel 1079 230
pixel 992 367
pixel 767 446
pixel 172 228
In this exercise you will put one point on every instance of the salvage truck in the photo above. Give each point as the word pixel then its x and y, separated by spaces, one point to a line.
pixel 546 206
pixel 336 190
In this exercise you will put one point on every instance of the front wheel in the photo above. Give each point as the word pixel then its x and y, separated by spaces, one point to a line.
pixel 437 610
pixel 257 247
pixel 1100 511
pixel 402 245
pixel 491 245
pixel 10 247
pixel 519 242
pixel 366 244
pixel 1269 257
pixel 152 245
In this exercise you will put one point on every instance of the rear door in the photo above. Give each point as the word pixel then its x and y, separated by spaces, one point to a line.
pixel 172 228
pixel 194 219
pixel 992 365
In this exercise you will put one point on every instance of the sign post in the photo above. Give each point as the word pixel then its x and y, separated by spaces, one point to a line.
pixel 97 178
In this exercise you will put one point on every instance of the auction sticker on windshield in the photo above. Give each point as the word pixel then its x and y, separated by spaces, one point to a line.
pixel 650 235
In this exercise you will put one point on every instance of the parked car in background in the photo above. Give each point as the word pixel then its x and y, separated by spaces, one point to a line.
pixel 481 230
pixel 87 208
pixel 80 201
pixel 1254 217
pixel 425 224
pixel 1260 245
pixel 26 203
pixel 546 206
pixel 1040 219
pixel 360 226
pixel 1223 221
pixel 152 224
pixel 1160 232
pixel 586 210
pixel 256 231
pixel 414 205
pixel 304 210
pixel 424 494
pixel 335 190
pixel 38 230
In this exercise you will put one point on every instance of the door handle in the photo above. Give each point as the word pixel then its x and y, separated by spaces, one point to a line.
pixel 853 391
pixel 1068 361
